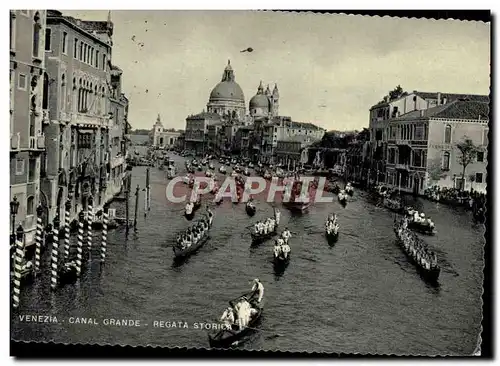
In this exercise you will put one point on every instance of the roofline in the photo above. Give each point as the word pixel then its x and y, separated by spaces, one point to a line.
pixel 63 19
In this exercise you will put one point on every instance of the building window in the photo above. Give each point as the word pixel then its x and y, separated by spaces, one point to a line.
pixel 32 170
pixel 446 161
pixel 480 156
pixel 12 30
pixel 30 206
pixel 417 158
pixel 19 166
pixel 21 83
pixel 104 62
pixel 65 43
pixel 479 177
pixel 80 54
pixel 75 48
pixel 63 93
pixel 419 132
pixel 485 137
pixel 48 39
pixel 36 34
pixel 97 59
pixel 447 134
pixel 91 56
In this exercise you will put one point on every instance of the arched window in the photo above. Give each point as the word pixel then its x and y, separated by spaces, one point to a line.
pixel 447 134
pixel 30 207
pixel 63 93
pixel 446 160
pixel 36 34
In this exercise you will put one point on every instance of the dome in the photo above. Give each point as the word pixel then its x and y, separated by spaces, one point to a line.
pixel 260 101
pixel 227 90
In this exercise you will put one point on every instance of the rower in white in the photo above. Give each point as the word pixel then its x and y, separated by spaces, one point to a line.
pixel 258 289
pixel 286 234
pixel 277 249
pixel 228 317
pixel 242 309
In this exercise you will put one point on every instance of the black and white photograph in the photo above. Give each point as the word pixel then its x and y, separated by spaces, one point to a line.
pixel 249 180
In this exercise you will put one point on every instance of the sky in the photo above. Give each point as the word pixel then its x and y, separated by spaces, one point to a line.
pixel 330 68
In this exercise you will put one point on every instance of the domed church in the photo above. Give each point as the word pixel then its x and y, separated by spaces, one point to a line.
pixel 227 97
pixel 265 104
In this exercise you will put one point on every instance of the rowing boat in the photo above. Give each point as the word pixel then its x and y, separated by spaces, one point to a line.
pixel 226 337
pixel 431 274
pixel 250 209
pixel 260 238
pixel 183 253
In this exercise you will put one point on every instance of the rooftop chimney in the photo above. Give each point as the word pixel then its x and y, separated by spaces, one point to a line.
pixel 421 113
pixel 439 98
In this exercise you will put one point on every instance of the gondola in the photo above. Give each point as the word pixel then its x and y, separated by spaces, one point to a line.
pixel 342 197
pixel 250 209
pixel 280 260
pixel 349 190
pixel 183 253
pixel 421 228
pixel 333 235
pixel 431 274
pixel 225 338
pixel 68 273
pixel 260 238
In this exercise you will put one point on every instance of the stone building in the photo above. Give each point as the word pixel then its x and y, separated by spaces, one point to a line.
pixel 419 133
pixel 164 137
pixel 28 114
pixel 195 137
pixel 82 86
pixel 117 131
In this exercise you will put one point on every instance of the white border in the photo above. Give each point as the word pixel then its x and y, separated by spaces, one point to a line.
pixel 189 4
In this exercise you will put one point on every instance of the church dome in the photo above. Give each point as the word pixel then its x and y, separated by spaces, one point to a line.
pixel 260 101
pixel 228 88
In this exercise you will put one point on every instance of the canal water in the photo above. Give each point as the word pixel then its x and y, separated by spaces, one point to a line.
pixel 360 295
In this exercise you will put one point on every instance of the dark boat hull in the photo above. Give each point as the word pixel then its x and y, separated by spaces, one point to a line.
pixel 225 338
pixel 250 210
pixel 67 275
pixel 423 229
pixel 183 253
pixel 281 261
pixel 430 275
pixel 332 238
pixel 259 239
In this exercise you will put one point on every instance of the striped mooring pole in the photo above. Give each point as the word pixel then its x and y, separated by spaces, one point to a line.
pixel 148 190
pixel 67 222
pixel 90 218
pixel 38 237
pixel 54 270
pixel 79 247
pixel 105 217
pixel 18 265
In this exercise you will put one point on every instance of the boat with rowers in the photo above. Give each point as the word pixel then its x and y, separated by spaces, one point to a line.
pixel 416 250
pixel 393 203
pixel 264 230
pixel 332 228
pixel 295 200
pixel 191 208
pixel 282 249
pixel 240 318
pixel 194 238
pixel 250 208
pixel 342 197
pixel 418 222
pixel 349 189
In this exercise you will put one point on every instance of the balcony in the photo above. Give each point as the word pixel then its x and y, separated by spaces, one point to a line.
pixel 405 167
pixel 87 120
pixel 15 142
pixel 403 142
pixel 37 143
